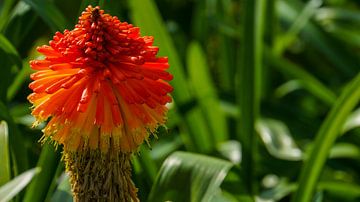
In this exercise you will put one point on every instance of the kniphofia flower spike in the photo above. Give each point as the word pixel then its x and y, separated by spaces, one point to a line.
pixel 101 83
pixel 104 91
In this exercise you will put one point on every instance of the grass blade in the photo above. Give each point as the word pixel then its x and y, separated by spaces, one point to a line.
pixel 146 15
pixel 17 149
pixel 343 59
pixel 48 162
pixel 5 9
pixel 308 81
pixel 9 58
pixel 302 19
pixel 206 92
pixel 19 79
pixel 49 13
pixel 189 177
pixel 10 189
pixel 63 191
pixel 248 90
pixel 4 154
pixel 10 50
pixel 147 163
pixel 329 131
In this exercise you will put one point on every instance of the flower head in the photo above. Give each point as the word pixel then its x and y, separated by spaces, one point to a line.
pixel 102 85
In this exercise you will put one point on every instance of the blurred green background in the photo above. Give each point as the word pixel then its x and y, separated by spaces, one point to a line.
pixel 265 100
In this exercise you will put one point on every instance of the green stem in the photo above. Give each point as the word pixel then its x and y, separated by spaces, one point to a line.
pixel 325 138
pixel 249 73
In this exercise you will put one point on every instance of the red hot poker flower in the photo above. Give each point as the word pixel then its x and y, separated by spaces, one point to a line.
pixel 102 85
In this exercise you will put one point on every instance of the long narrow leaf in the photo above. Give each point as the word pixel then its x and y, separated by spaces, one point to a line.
pixel 63 191
pixel 20 159
pixel 9 49
pixel 48 162
pixel 147 16
pixel 19 80
pixel 325 138
pixel 248 79
pixel 206 92
pixel 342 59
pixel 4 154
pixel 308 81
pixel 5 9
pixel 189 177
pixel 10 189
pixel 9 59
pixel 49 13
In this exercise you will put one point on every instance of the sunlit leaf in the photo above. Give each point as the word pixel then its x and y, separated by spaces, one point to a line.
pixel 12 188
pixel 342 190
pixel 231 150
pixel 48 162
pixel 352 122
pixel 147 16
pixel 206 92
pixel 345 150
pixel 189 177
pixel 328 132
pixel 4 153
pixel 16 142
pixel 277 139
pixel 63 191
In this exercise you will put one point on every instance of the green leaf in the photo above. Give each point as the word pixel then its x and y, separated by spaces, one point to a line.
pixel 63 191
pixel 329 131
pixel 249 71
pixel 352 122
pixel 342 190
pixel 12 188
pixel 345 150
pixel 327 13
pixel 24 27
pixel 147 163
pixel 10 50
pixel 302 19
pixel 205 92
pixel 189 177
pixel 49 13
pixel 9 58
pixel 19 153
pixel 278 140
pixel 282 189
pixel 4 154
pixel 48 162
pixel 5 9
pixel 146 15
pixel 304 78
pixel 231 150
pixel 330 48
pixel 19 79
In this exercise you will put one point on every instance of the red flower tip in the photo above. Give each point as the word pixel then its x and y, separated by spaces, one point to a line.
pixel 101 83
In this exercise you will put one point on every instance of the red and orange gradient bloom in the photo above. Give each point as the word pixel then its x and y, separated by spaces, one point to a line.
pixel 102 85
